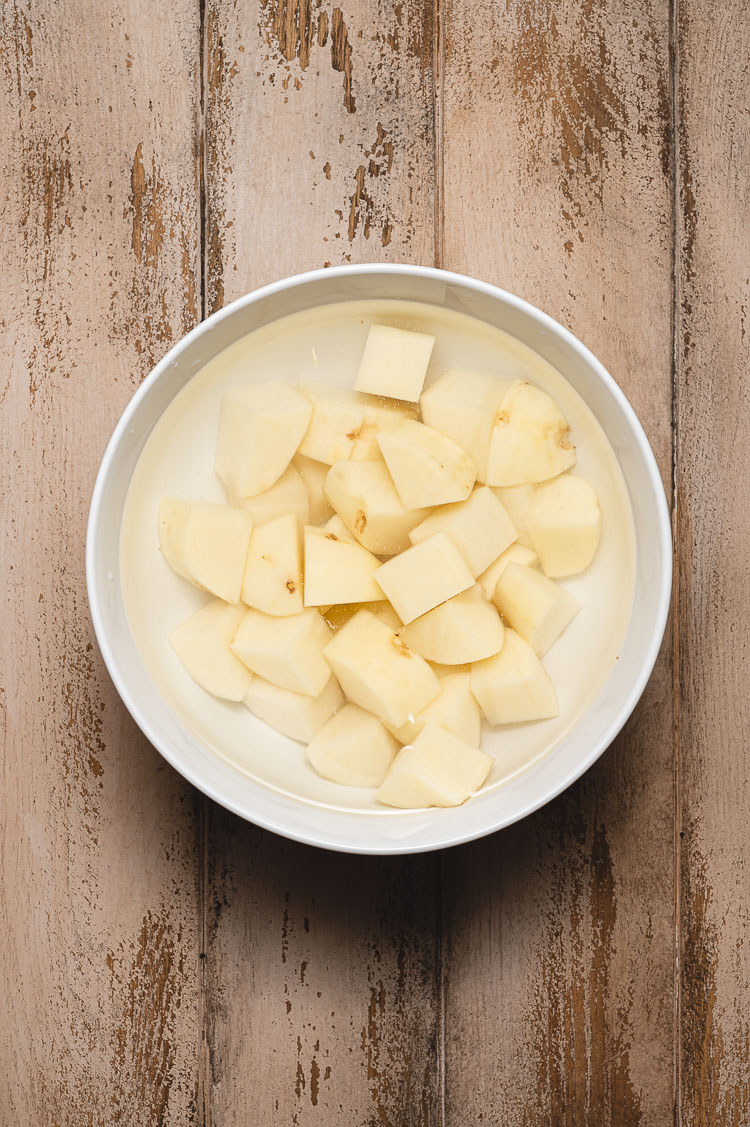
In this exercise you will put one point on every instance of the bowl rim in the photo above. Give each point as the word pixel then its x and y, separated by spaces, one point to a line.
pixel 665 544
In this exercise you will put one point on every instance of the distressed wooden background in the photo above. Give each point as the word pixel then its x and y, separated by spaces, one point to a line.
pixel 161 962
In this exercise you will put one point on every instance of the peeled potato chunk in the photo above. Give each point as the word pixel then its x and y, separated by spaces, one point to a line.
pixel 260 429
pixel 465 628
pixel 536 607
pixel 287 495
pixel 353 748
pixel 336 526
pixel 424 576
pixel 337 571
pixel 530 438
pixel 377 670
pixel 517 502
pixel 378 417
pixel 437 769
pixel 463 405
pixel 455 709
pixel 336 419
pixel 513 687
pixel 206 544
pixel 427 467
pixel 515 554
pixel 480 527
pixel 202 643
pixel 286 651
pixel 394 363
pixel 565 524
pixel 295 715
pixel 313 475
pixel 364 496
pixel 273 572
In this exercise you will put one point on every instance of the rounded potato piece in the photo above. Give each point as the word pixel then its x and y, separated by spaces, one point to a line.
pixel 466 628
pixel 260 428
pixel 565 525
pixel 513 687
pixel 293 714
pixel 530 439
pixel 202 643
pixel 353 748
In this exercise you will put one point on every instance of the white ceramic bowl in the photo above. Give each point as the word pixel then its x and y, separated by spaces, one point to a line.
pixel 531 788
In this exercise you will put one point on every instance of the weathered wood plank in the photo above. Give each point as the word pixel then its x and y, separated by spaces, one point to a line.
pixel 713 506
pixel 321 970
pixel 99 897
pixel 559 999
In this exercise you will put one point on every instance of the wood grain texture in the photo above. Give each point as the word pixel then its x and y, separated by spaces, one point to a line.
pixel 713 504
pixel 99 893
pixel 558 957
pixel 321 970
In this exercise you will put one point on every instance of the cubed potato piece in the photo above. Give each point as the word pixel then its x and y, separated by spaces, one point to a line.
pixel 288 495
pixel 565 524
pixel 202 643
pixel 530 438
pixel 513 687
pixel 427 467
pixel 466 628
pixel 336 420
pixel 260 429
pixel 338 614
pixel 424 576
pixel 394 363
pixel 293 714
pixel 517 501
pixel 364 496
pixel 337 571
pixel 353 748
pixel 337 528
pixel 288 652
pixel 273 572
pixel 536 607
pixel 463 405
pixel 314 475
pixel 515 554
pixel 378 416
pixel 377 670
pixel 480 528
pixel 206 544
pixel 437 769
pixel 455 709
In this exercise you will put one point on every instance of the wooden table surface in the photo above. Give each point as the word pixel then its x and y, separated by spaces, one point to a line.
pixel 161 961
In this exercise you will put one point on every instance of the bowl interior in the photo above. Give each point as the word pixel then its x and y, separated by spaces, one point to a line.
pixel 540 781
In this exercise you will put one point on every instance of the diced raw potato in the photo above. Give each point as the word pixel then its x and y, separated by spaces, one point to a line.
pixel 530 438
pixel 378 417
pixel 336 419
pixel 427 467
pixel 314 475
pixel 353 748
pixel 463 405
pixel 513 687
pixel 286 651
pixel 455 709
pixel 424 576
pixel 394 363
pixel 288 495
pixel 517 500
pixel 202 644
pixel 337 615
pixel 480 528
pixel 273 573
pixel 336 526
pixel 206 544
pixel 336 570
pixel 565 524
pixel 377 670
pixel 364 496
pixel 293 714
pixel 438 769
pixel 466 628
pixel 536 607
pixel 260 429
pixel 517 553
